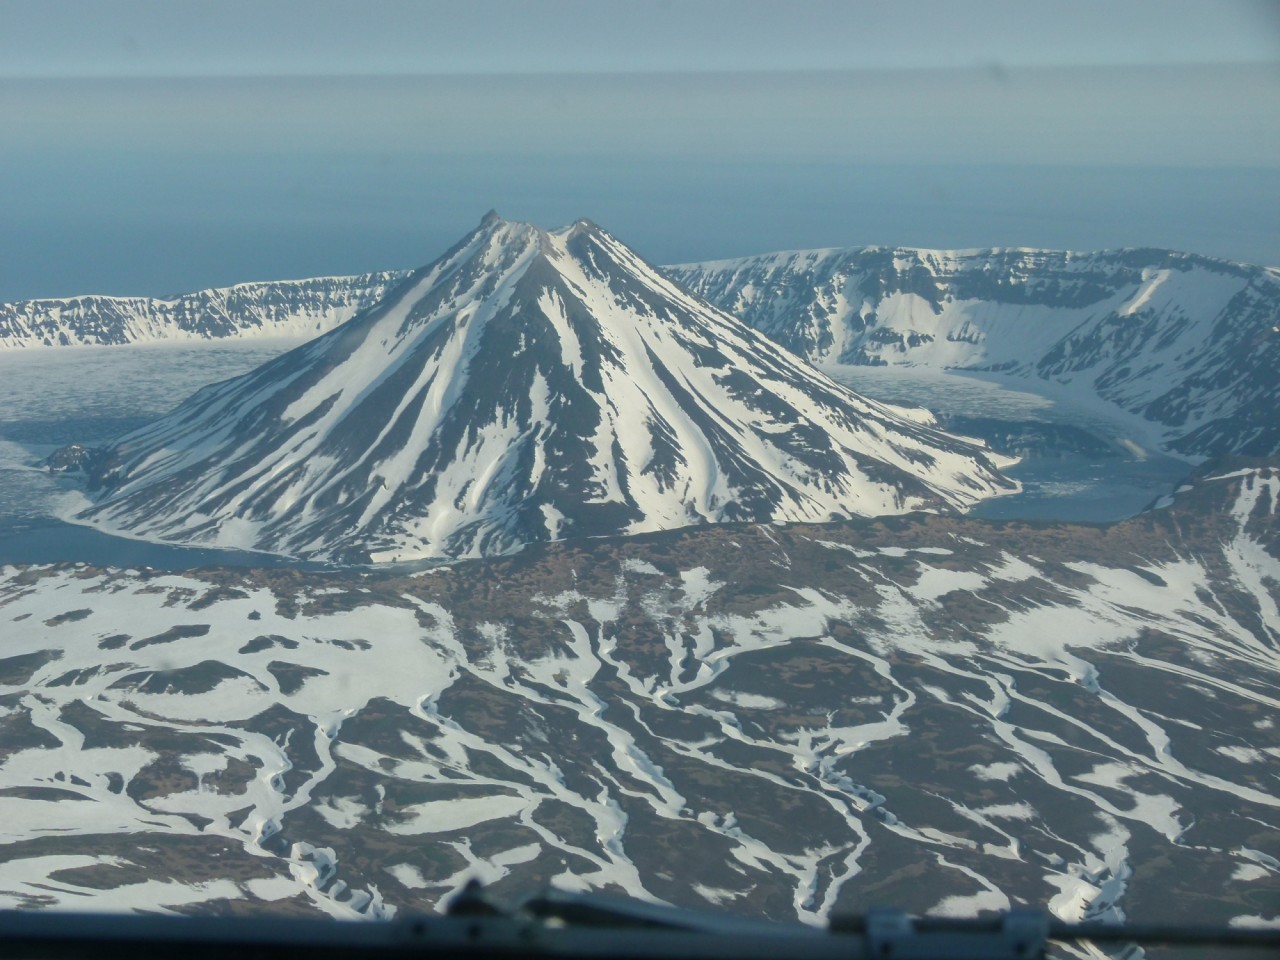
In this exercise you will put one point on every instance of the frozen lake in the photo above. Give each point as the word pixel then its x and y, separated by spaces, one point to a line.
pixel 1081 463
pixel 50 398
pixel 1087 469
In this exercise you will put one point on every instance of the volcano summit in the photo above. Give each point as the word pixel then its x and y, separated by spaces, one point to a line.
pixel 527 386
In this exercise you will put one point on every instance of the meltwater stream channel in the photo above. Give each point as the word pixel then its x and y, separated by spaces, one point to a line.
pixel 53 397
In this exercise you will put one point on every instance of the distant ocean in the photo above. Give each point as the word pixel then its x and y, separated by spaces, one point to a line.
pixel 80 223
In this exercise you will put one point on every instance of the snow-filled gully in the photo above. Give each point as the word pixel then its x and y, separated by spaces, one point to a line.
pixel 1011 757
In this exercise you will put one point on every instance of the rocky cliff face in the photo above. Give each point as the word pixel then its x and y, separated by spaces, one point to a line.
pixel 1189 343
pixel 285 308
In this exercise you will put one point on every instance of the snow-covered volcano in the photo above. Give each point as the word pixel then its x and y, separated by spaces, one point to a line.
pixel 527 386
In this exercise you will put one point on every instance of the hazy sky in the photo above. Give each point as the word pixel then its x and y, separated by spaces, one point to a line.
pixel 256 37
pixel 152 147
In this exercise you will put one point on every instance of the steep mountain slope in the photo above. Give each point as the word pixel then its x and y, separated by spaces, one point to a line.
pixel 526 386
pixel 933 712
pixel 277 309
pixel 1189 343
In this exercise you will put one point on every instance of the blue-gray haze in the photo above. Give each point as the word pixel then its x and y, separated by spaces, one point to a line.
pixel 154 147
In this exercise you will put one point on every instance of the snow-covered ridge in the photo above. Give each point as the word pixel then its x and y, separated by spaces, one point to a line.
pixel 528 385
pixel 1189 343
pixel 281 308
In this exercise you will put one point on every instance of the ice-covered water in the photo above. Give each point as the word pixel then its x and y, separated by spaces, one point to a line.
pixel 88 395
pixel 1088 485
pixel 940 389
